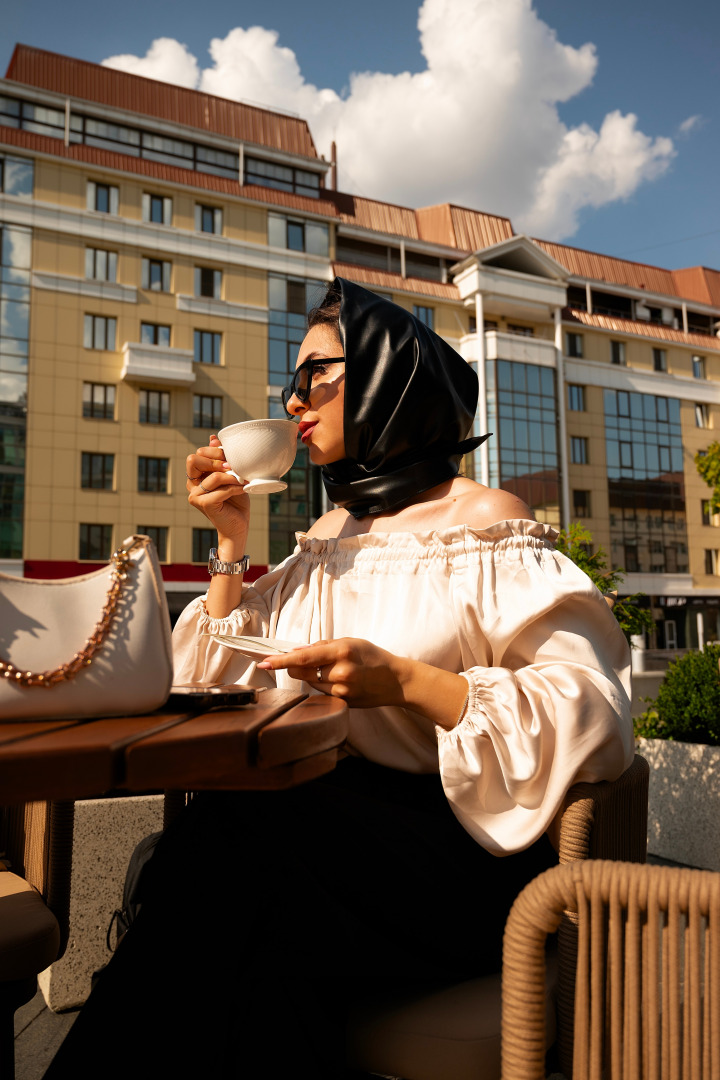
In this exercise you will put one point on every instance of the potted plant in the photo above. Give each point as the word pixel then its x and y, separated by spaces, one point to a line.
pixel 679 736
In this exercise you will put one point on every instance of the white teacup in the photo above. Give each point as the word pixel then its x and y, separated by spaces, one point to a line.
pixel 260 452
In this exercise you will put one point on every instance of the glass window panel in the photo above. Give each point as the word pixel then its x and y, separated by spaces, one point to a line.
pixel 278 357
pixel 102 198
pixel 636 406
pixel 296 297
pixel 664 452
pixel 533 379
pixel 507 434
pixel 673 410
pixel 652 458
pixel 504 375
pixel 623 403
pixel 14 319
pixel 16 247
pixel 88 332
pixel 277 293
pixel 662 409
pixel 295 236
pixel 13 393
pixel 518 377
pixel 17 177
pixel 649 409
pixel 227 160
pixel 676 459
pixel 99 332
pixel 147 334
pixel 549 439
pixel 317 239
pixel 277 231
pixel 547 382
pixel 610 402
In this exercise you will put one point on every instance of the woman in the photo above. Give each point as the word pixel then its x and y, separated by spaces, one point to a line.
pixel 484 673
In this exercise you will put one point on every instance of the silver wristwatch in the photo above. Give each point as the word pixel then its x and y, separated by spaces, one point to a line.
pixel 217 566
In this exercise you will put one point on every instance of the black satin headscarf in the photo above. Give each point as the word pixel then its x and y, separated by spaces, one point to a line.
pixel 410 401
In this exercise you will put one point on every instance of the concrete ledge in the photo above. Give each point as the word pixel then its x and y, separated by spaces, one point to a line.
pixel 106 833
pixel 683 801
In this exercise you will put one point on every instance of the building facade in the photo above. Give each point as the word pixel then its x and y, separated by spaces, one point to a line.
pixel 159 251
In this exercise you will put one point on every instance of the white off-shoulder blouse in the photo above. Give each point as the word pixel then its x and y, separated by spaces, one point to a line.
pixel 547 665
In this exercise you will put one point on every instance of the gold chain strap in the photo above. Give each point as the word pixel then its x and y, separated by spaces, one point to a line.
pixel 121 562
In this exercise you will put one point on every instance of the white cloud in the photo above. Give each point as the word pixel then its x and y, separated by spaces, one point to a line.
pixel 479 126
pixel 166 60
pixel 690 124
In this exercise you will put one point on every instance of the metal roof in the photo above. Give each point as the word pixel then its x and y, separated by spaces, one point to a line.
pixel 375 215
pixel 699 283
pixel 606 268
pixel 458 227
pixel 82 80
pixel 640 328
pixel 382 279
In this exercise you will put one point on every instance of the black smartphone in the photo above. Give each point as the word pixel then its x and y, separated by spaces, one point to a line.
pixel 212 697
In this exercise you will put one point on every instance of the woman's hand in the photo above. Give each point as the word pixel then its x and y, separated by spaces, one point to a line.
pixel 366 676
pixel 218 496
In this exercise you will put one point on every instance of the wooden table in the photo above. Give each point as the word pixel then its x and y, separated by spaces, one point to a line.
pixel 284 739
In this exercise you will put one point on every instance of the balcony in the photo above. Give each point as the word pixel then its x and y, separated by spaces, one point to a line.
pixel 157 365
pixel 528 350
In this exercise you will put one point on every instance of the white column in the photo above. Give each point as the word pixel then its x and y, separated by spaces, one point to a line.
pixel 588 298
pixel 402 259
pixel 684 317
pixel 482 379
pixel 67 121
pixel 241 164
pixel 562 407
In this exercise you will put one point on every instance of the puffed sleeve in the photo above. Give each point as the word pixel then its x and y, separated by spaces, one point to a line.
pixel 202 661
pixel 548 670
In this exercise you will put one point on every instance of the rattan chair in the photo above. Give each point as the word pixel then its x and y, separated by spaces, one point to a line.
pixel 455 1034
pixel 647 972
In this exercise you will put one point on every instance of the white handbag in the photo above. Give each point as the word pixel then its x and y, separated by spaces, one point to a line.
pixel 91 646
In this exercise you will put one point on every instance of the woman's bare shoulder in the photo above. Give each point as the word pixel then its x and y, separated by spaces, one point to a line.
pixel 482 506
pixel 329 525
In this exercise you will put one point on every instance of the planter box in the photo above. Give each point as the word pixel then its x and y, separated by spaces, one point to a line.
pixel 684 806
pixel 105 834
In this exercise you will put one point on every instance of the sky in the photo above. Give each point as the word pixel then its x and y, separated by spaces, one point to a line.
pixel 592 124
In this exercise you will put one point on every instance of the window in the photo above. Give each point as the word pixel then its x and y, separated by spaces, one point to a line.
pixel 207 411
pixel 102 197
pixel 576 398
pixel 425 315
pixel 157 209
pixel 95 542
pixel 520 331
pixel 207 347
pixel 707 515
pixel 158 534
pixel 156 275
pixel 208 219
pixel 282 177
pixel 578 450
pixel 154 334
pixel 97 471
pixel 617 352
pixel 99 333
pixel 702 416
pixel 152 474
pixel 202 541
pixel 98 401
pixel 574 345
pixel 659 360
pixel 100 265
pixel 12 445
pixel 208 282
pixel 154 407
pixel 698 367
pixel 311 237
pixel 581 504
pixel 16 174
pixel 711 561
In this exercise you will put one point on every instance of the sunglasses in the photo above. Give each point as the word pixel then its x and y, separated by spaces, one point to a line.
pixel 301 384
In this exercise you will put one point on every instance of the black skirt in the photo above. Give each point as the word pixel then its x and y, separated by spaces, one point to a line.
pixel 265 914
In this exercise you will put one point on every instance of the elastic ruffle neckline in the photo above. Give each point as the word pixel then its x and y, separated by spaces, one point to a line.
pixel 453 536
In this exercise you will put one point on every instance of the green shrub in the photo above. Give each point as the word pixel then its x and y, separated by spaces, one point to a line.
pixel 576 543
pixel 687 708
